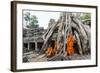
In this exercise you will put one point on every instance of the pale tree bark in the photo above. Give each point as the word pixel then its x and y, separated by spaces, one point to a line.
pixel 67 24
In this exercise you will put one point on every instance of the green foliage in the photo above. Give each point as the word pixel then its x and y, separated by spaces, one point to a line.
pixel 85 16
pixel 27 16
pixel 32 20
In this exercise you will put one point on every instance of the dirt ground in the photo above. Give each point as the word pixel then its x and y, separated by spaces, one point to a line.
pixel 35 57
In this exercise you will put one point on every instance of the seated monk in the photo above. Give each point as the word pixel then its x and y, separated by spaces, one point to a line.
pixel 51 50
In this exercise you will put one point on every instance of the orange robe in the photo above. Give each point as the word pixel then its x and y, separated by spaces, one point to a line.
pixel 70 44
pixel 50 52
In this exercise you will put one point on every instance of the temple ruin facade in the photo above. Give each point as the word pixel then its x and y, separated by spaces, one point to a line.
pixel 33 39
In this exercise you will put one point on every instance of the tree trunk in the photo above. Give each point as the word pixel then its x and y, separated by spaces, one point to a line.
pixel 66 25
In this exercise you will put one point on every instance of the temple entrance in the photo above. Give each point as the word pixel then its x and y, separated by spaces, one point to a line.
pixel 25 45
pixel 39 45
pixel 32 46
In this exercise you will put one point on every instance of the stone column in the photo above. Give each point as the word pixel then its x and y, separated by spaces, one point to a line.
pixel 28 46
pixel 36 48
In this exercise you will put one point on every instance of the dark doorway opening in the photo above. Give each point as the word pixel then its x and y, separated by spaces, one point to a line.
pixel 32 46
pixel 25 45
pixel 40 44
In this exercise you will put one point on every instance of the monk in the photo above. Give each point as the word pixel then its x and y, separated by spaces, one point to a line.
pixel 51 49
pixel 49 52
pixel 70 44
